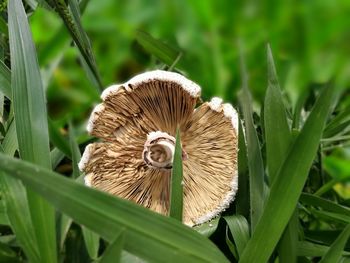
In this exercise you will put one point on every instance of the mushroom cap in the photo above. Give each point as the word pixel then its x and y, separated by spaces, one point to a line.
pixel 154 103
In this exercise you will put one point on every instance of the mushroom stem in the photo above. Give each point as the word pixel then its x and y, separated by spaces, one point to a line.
pixel 159 150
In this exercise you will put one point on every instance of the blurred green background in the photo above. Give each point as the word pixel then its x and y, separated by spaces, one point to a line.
pixel 309 39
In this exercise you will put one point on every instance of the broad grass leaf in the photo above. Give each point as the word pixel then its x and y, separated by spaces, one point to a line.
pixel 310 249
pixel 15 200
pixel 337 124
pixel 5 80
pixel 56 157
pixel 58 139
pixel 334 253
pixel 7 254
pixel 255 162
pixel 242 199
pixel 3 215
pixel 330 216
pixel 277 131
pixel 289 183
pixel 325 204
pixel 239 228
pixel 113 252
pixel 91 239
pixel 71 19
pixel 31 121
pixel 288 245
pixel 176 187
pixel 146 232
pixel 207 228
pixel 162 51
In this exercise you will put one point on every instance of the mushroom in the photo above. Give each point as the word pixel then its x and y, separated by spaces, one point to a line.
pixel 137 122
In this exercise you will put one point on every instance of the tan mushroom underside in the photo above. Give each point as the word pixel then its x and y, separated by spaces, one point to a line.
pixel 208 138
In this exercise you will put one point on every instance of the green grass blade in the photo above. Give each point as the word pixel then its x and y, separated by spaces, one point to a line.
pixel 60 41
pixel 289 182
pixel 15 198
pixel 58 139
pixel 207 228
pixel 146 231
pixel 74 148
pixel 160 50
pixel 114 250
pixel 288 246
pixel 10 143
pixel 337 129
pixel 309 249
pixel 3 26
pixel 242 199
pixel 277 132
pixel 331 216
pixel 239 228
pixel 63 224
pixel 334 253
pixel 56 157
pixel 91 239
pixel 176 185
pixel 5 80
pixel 337 123
pixel 3 215
pixel 230 244
pixel 92 242
pixel 71 19
pixel 31 121
pixel 324 204
pixel 7 254
pixel 129 258
pixel 255 163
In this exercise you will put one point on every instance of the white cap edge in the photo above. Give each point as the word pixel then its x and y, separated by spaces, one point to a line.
pixel 91 122
pixel 85 158
pixel 229 112
pixel 225 203
pixel 189 86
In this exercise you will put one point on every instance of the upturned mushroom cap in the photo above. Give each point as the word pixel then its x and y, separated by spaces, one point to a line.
pixel 137 123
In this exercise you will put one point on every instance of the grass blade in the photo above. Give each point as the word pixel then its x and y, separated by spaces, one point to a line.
pixel 15 198
pixel 5 80
pixel 242 199
pixel 7 254
pixel 324 204
pixel 310 249
pixel 176 187
pixel 288 246
pixel 278 139
pixel 92 242
pixel 277 132
pixel 146 231
pixel 289 182
pixel 56 157
pixel 162 51
pixel 91 239
pixel 208 228
pixel 31 121
pixel 239 228
pixel 114 250
pixel 337 123
pixel 58 139
pixel 255 163
pixel 71 19
pixel 3 215
pixel 334 253
pixel 331 216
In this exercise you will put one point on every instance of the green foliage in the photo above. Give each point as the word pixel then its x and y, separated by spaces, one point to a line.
pixel 28 100
pixel 294 133
pixel 176 189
